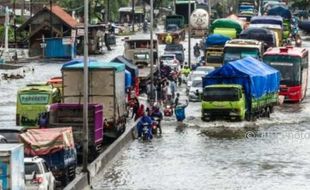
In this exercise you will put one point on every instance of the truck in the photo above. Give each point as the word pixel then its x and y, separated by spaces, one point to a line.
pixel 240 48
pixel 199 22
pixel 227 27
pixel 65 115
pixel 181 8
pixel 56 147
pixel 174 28
pixel 106 87
pixel 242 89
pixel 261 34
pixel 247 6
pixel 32 100
pixel 12 167
pixel 214 49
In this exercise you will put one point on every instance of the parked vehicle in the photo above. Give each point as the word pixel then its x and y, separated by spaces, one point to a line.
pixel 12 167
pixel 174 26
pixel 11 134
pixel 226 27
pixel 176 49
pixel 192 76
pixel 274 23
pixel 214 49
pixel 206 69
pixel 240 48
pixel 199 22
pixel 38 175
pixel 195 90
pixel 286 14
pixel 56 147
pixel 242 89
pixel 171 61
pixel 293 65
pixel 261 34
pixel 107 87
pixel 71 115
pixel 33 100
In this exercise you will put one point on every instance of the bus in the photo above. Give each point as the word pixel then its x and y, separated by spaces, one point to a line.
pixel 292 62
pixel 32 100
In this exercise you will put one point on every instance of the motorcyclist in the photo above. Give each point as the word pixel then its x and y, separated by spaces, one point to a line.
pixel 196 50
pixel 145 119
pixel 145 25
pixel 157 113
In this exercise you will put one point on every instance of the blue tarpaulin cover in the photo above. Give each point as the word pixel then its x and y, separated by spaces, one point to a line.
pixel 216 39
pixel 277 20
pixel 128 79
pixel 256 77
pixel 280 11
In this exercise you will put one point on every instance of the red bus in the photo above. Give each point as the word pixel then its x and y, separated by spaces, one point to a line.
pixel 292 62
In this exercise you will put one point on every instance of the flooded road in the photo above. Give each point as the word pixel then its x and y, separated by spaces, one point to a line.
pixel 268 154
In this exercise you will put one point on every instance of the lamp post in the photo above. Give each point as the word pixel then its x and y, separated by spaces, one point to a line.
pixel 189 33
pixel 152 46
pixel 85 106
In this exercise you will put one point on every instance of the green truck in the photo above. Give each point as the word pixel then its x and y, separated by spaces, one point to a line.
pixel 242 89
pixel 227 27
pixel 32 100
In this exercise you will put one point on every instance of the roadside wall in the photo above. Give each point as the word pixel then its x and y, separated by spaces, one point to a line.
pixel 81 181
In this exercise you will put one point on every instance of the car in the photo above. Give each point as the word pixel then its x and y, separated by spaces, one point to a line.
pixel 192 76
pixel 11 134
pixel 37 174
pixel 170 60
pixel 206 69
pixel 176 49
pixel 195 90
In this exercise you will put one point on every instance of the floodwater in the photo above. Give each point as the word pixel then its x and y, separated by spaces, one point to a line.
pixel 268 154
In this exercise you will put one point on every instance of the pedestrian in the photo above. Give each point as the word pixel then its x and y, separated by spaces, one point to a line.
pixel 180 114
pixel 106 41
pixel 173 87
pixel 140 112
pixel 159 91
pixel 176 100
pixel 135 107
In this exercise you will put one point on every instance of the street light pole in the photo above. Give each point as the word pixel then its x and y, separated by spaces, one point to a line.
pixel 189 33
pixel 85 106
pixel 151 50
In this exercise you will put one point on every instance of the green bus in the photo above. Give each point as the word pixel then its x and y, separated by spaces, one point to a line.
pixel 33 100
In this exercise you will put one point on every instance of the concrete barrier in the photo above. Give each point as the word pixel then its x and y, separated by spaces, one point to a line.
pixel 81 181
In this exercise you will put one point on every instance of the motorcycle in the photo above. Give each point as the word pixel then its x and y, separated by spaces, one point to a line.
pixel 156 126
pixel 146 136
pixel 168 111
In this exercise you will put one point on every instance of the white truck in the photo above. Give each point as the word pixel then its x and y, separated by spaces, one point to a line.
pixel 12 169
pixel 199 21
pixel 106 87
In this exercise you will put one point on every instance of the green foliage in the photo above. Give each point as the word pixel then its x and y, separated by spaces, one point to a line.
pixel 2 33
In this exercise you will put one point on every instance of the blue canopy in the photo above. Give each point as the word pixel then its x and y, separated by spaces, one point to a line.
pixel 133 69
pixel 93 64
pixel 267 20
pixel 284 12
pixel 216 39
pixel 128 79
pixel 256 77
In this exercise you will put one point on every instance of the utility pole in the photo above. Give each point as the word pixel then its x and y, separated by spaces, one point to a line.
pixel 174 7
pixel 6 24
pixel 51 18
pixel 189 33
pixel 209 11
pixel 133 14
pixel 85 106
pixel 151 50
pixel 15 39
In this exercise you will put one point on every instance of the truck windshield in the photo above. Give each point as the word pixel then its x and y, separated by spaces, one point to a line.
pixel 167 58
pixel 34 99
pixel 233 53
pixel 221 94
pixel 289 67
pixel 31 167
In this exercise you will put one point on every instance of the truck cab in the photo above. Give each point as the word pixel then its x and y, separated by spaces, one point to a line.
pixel 33 100
pixel 223 100
pixel 240 48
